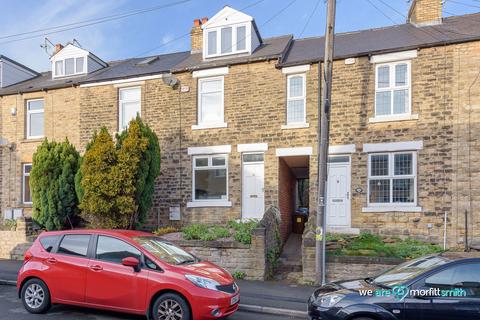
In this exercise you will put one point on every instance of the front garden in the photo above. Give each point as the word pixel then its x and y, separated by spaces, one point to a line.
pixel 370 245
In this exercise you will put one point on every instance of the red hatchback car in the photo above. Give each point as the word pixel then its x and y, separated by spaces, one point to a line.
pixel 126 271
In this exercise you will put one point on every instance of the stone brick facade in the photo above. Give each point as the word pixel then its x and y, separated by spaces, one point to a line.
pixel 61 119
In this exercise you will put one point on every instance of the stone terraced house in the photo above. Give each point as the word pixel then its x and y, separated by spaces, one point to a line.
pixel 237 122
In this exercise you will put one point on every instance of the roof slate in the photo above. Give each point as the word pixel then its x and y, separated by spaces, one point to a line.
pixel 289 51
pixel 387 39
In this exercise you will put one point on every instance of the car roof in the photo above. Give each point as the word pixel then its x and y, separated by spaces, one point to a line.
pixel 118 233
pixel 455 256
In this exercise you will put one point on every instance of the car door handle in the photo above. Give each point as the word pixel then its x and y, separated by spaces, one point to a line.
pixel 52 260
pixel 96 268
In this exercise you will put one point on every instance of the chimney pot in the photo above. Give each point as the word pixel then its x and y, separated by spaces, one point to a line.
pixel 58 47
pixel 204 20
pixel 197 22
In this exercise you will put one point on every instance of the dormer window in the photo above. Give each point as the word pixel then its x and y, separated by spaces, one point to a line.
pixel 70 67
pixel 229 32
pixel 232 40
pixel 72 60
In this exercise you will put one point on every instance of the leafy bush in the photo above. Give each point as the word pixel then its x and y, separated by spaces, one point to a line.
pixel 367 244
pixel 148 169
pixel 239 275
pixel 116 182
pixel 165 230
pixel 204 232
pixel 10 224
pixel 52 181
pixel 243 230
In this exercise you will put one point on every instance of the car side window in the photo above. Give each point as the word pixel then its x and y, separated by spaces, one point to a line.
pixel 464 276
pixel 115 250
pixel 151 265
pixel 49 242
pixel 74 245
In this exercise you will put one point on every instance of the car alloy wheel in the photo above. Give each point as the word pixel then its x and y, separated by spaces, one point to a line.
pixel 170 310
pixel 34 296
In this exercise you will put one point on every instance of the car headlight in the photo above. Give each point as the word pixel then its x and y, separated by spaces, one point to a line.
pixel 329 300
pixel 202 282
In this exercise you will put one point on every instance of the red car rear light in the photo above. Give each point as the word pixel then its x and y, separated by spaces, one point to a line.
pixel 27 256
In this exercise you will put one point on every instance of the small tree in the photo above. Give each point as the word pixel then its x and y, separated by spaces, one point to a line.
pixel 52 181
pixel 108 178
pixel 148 169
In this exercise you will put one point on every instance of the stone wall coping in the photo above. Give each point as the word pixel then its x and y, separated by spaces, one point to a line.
pixel 364 260
pixel 211 244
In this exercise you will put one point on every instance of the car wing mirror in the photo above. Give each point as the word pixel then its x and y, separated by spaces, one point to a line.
pixel 131 262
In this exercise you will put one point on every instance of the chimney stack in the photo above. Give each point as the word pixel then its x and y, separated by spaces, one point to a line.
pixel 425 12
pixel 196 35
pixel 58 47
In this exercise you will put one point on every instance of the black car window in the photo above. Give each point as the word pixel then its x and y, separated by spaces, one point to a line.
pixel 115 250
pixel 74 245
pixel 463 276
pixel 151 265
pixel 49 242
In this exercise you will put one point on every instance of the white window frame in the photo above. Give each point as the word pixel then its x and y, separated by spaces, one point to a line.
pixel 23 183
pixel 391 176
pixel 220 123
pixel 76 72
pixel 121 102
pixel 30 112
pixel 392 88
pixel 303 98
pixel 210 202
pixel 248 42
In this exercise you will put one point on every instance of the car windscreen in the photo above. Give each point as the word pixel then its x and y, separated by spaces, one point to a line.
pixel 165 251
pixel 409 270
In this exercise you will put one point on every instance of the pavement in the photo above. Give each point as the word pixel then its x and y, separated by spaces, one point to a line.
pixel 262 300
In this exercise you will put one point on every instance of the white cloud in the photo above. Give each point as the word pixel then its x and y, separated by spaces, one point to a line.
pixel 53 13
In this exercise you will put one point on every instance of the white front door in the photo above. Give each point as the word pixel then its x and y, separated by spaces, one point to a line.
pixel 253 204
pixel 338 194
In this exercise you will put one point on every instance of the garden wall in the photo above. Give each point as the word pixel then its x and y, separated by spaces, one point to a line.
pixel 344 267
pixel 13 244
pixel 252 260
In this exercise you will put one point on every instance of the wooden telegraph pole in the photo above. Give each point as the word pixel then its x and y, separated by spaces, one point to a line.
pixel 324 127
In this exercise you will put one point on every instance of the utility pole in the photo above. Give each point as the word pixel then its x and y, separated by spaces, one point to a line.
pixel 324 128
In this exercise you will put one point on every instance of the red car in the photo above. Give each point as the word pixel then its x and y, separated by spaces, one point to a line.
pixel 126 271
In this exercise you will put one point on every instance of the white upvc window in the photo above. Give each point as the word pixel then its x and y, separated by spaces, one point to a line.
pixel 296 99
pixel 35 119
pixel 227 40
pixel 129 105
pixel 210 178
pixel 393 89
pixel 26 192
pixel 392 179
pixel 69 66
pixel 210 102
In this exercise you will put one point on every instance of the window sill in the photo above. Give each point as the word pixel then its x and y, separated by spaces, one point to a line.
pixel 392 209
pixel 205 204
pixel 295 126
pixel 405 117
pixel 209 126
pixel 32 140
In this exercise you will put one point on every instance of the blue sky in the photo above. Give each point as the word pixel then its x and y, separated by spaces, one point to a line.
pixel 151 33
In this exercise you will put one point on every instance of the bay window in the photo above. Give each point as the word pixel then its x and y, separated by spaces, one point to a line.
pixel 392 179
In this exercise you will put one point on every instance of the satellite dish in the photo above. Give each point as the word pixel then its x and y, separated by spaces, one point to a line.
pixel 170 80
